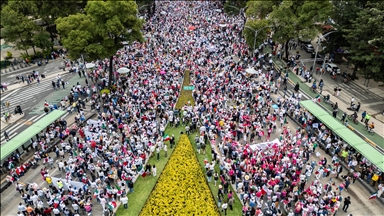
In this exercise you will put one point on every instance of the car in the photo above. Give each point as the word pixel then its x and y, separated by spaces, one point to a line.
pixel 320 57
pixel 308 48
pixel 332 67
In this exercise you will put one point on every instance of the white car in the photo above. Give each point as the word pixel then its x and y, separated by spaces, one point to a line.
pixel 332 67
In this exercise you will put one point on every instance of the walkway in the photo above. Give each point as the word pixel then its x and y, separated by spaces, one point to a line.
pixel 377 138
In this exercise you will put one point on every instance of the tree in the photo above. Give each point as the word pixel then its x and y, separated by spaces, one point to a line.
pixel 49 11
pixel 366 33
pixel 291 18
pixel 249 34
pixel 234 6
pixel 260 9
pixel 99 33
pixel 17 29
pixel 42 41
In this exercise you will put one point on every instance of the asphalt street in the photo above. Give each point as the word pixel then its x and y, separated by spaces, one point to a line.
pixel 52 66
pixel 29 97
pixel 349 90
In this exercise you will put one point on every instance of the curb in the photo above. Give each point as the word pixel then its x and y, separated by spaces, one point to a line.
pixel 362 182
pixel 4 184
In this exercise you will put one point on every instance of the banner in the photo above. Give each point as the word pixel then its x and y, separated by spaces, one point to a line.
pixel 265 145
pixel 67 183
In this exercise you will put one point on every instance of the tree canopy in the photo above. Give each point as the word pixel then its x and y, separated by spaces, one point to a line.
pixel 366 32
pixel 17 28
pixel 100 31
pixel 290 18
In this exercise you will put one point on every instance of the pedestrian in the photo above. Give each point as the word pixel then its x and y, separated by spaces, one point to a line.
pixel 224 207
pixel 63 84
pixel 363 115
pixel 335 91
pixel 54 85
pixel 158 152
pixel 165 150
pixel 124 201
pixel 297 87
pixel 347 202
pixel 154 170
pixel 343 116
pixel 367 118
pixel 6 135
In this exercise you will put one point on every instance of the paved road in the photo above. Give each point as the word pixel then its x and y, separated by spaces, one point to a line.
pixel 27 96
pixel 31 99
pixel 52 66
pixel 349 90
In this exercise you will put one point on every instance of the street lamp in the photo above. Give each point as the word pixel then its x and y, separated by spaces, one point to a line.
pixel 256 33
pixel 317 49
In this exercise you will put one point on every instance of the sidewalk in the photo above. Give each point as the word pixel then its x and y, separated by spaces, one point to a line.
pixel 377 138
pixel 14 118
pixel 21 84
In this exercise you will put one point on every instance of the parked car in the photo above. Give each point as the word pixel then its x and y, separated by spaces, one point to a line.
pixel 308 48
pixel 332 67
pixel 320 57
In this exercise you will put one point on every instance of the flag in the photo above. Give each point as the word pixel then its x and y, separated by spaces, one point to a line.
pixel 117 187
pixel 373 196
pixel 74 153
pixel 318 98
pixel 285 121
pixel 112 205
pixel 166 137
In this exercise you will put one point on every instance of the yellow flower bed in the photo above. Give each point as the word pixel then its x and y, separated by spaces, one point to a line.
pixel 181 188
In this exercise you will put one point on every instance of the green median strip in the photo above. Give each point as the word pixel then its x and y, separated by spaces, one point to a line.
pixel 359 127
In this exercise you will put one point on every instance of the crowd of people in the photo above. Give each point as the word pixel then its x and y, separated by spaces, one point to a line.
pixel 233 111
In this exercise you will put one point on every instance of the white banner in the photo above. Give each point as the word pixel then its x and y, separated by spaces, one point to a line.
pixel 67 183
pixel 264 145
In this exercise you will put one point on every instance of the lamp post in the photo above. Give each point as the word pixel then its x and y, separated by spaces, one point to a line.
pixel 317 49
pixel 256 33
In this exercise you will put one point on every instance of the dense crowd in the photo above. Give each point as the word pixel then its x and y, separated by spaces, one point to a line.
pixel 233 111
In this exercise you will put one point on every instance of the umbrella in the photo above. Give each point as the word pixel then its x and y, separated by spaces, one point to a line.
pixel 89 65
pixel 223 25
pixel 162 72
pixel 274 106
pixel 191 28
pixel 123 70
pixel 218 10
pixel 251 71
pixel 163 12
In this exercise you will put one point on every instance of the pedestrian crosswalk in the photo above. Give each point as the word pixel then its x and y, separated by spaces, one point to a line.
pixel 352 89
pixel 27 96
pixel 16 128
pixel 290 92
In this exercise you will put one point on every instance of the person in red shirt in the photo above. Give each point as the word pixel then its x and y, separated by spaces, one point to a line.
pixel 47 211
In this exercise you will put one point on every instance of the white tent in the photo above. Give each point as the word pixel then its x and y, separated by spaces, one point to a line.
pixel 123 70
pixel 251 71
pixel 90 65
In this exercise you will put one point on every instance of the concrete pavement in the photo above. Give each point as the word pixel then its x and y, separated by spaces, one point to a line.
pixel 377 138
pixel 358 192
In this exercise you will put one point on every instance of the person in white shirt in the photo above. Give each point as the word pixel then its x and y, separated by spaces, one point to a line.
pixel 124 200
pixel 56 211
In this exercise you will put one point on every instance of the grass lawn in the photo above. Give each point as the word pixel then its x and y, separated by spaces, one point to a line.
pixel 185 95
pixel 237 207
pixel 144 186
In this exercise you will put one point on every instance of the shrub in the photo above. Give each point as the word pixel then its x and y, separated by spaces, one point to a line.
pixel 181 188
pixel 9 55
pixel 185 96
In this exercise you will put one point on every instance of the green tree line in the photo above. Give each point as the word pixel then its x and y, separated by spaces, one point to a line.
pixel 358 27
